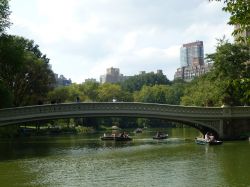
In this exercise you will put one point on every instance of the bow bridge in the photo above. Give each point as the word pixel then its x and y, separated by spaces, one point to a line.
pixel 225 122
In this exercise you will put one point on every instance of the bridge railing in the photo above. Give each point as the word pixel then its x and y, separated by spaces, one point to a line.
pixel 116 108
pixel 240 111
pixel 71 107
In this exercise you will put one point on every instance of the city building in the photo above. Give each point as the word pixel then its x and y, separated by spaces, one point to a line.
pixel 90 80
pixel 142 72
pixel 192 62
pixel 159 71
pixel 192 54
pixel 62 81
pixel 190 72
pixel 112 76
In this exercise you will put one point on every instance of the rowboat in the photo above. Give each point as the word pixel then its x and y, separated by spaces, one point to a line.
pixel 160 136
pixel 138 130
pixel 116 138
pixel 202 141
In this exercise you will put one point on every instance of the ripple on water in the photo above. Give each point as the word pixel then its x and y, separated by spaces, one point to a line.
pixel 174 162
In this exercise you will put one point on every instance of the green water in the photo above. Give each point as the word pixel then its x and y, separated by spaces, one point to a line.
pixel 88 161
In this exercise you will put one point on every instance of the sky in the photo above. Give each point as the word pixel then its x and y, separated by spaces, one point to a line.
pixel 82 38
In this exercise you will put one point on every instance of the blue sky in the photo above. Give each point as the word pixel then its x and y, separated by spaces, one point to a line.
pixel 84 37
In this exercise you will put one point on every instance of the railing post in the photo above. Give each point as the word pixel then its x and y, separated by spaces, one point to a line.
pixel 227 111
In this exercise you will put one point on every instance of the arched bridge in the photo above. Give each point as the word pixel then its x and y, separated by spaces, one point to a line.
pixel 226 122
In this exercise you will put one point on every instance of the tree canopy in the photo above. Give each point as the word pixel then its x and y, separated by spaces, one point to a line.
pixel 135 83
pixel 230 67
pixel 4 15
pixel 227 83
pixel 24 70
pixel 240 15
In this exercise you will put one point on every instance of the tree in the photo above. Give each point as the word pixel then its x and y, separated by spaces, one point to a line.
pixel 242 90
pixel 4 15
pixel 227 83
pixel 24 71
pixel 240 15
pixel 11 58
pixel 230 69
pixel 152 94
pixel 229 60
pixel 58 95
pixel 32 82
pixel 5 97
pixel 89 89
pixel 203 92
pixel 74 93
pixel 145 95
pixel 135 83
pixel 107 92
pixel 175 92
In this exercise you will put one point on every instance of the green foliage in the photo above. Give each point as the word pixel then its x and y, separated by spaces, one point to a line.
pixel 240 15
pixel 24 70
pixel 135 83
pixel 89 89
pixel 229 60
pixel 33 82
pixel 11 58
pixel 175 92
pixel 107 92
pixel 4 15
pixel 241 91
pixel 230 68
pixel 5 97
pixel 160 94
pixel 152 94
pixel 58 95
pixel 74 93
pixel 227 83
pixel 203 92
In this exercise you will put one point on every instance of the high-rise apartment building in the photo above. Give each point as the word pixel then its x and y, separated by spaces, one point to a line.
pixel 192 61
pixel 62 81
pixel 192 54
pixel 112 76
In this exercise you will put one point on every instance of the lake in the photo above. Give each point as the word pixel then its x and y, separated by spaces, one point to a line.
pixel 87 161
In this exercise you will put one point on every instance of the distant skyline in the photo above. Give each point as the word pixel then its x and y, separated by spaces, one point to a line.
pixel 84 38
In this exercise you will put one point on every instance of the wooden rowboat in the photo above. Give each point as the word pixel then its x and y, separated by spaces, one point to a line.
pixel 202 141
pixel 116 138
pixel 160 136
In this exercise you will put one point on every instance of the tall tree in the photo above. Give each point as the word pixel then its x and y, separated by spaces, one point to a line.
pixel 152 94
pixel 4 15
pixel 203 92
pixel 230 68
pixel 240 15
pixel 175 92
pixel 89 89
pixel 230 60
pixel 135 83
pixel 5 96
pixel 107 92
pixel 58 95
pixel 24 70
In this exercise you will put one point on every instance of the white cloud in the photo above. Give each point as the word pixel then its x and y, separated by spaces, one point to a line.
pixel 128 43
pixel 83 38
